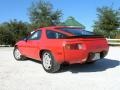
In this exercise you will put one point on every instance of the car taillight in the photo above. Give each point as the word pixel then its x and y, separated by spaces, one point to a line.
pixel 73 46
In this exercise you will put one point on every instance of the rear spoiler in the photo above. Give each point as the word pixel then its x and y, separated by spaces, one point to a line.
pixel 85 36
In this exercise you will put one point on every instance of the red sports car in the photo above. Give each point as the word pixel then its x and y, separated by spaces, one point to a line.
pixel 57 45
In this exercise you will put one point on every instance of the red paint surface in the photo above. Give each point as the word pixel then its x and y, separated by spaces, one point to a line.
pixel 33 48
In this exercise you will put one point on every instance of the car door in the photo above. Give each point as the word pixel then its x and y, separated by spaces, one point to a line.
pixel 32 44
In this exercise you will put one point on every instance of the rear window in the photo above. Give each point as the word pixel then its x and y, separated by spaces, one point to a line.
pixel 77 31
pixel 55 35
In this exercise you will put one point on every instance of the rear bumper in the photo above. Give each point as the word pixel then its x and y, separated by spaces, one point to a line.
pixel 82 56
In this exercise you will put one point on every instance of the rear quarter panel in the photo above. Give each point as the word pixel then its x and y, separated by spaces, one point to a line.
pixel 56 48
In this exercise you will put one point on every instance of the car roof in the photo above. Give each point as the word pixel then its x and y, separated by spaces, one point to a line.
pixel 58 27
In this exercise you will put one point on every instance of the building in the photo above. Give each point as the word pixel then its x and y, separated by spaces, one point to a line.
pixel 72 22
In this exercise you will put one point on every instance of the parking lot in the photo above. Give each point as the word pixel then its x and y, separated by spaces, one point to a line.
pixel 29 75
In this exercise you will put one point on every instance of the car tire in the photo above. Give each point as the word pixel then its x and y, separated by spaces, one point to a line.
pixel 17 55
pixel 49 63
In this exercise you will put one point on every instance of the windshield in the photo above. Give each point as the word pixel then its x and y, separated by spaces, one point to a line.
pixel 77 31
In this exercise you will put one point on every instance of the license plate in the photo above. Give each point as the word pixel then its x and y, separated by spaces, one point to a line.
pixel 97 56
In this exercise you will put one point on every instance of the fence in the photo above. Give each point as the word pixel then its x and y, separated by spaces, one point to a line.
pixel 114 42
pixel 4 45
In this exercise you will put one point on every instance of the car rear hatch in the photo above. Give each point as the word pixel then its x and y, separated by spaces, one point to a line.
pixel 81 43
pixel 89 45
pixel 95 43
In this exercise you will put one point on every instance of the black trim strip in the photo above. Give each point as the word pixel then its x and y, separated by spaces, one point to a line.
pixel 85 36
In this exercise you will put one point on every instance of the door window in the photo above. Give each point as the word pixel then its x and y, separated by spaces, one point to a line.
pixel 35 36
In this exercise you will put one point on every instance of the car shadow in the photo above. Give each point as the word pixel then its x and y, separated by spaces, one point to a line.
pixel 99 65
pixel 36 61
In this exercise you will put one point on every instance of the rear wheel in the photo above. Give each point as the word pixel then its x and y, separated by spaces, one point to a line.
pixel 17 55
pixel 48 62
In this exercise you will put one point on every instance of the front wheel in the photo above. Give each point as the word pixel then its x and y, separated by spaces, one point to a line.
pixel 48 62
pixel 17 55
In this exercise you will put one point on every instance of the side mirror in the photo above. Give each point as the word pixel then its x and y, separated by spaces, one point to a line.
pixel 27 36
pixel 25 39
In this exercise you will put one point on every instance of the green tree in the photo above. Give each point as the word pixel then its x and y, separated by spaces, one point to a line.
pixel 108 21
pixel 17 29
pixel 6 37
pixel 41 14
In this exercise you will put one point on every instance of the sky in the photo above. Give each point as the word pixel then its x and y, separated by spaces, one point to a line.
pixel 84 11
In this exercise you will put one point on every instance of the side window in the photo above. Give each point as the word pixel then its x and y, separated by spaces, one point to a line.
pixel 36 35
pixel 54 35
